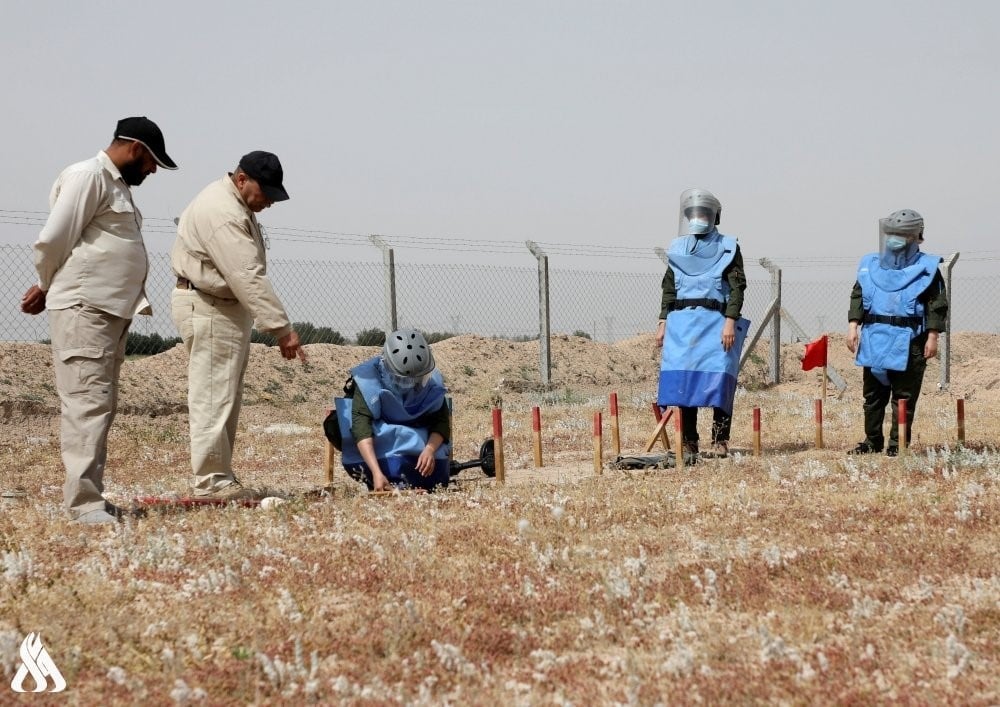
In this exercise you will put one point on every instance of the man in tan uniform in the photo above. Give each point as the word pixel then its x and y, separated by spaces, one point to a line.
pixel 222 287
pixel 92 265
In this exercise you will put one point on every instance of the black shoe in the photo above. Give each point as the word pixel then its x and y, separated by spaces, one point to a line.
pixel 892 451
pixel 119 512
pixel 865 447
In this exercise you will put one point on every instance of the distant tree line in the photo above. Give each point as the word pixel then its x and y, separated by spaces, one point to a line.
pixel 311 334
pixel 148 344
pixel 151 344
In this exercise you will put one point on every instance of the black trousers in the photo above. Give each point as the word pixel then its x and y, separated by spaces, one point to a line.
pixel 903 385
pixel 722 422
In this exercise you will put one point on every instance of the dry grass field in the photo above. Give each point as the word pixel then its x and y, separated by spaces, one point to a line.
pixel 802 576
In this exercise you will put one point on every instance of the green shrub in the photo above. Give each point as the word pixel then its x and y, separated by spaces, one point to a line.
pixel 371 337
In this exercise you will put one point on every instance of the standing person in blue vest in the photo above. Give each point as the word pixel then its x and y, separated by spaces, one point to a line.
pixel 701 328
pixel 899 305
pixel 393 428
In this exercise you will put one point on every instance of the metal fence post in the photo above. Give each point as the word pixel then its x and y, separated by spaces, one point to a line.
pixel 944 344
pixel 776 320
pixel 389 260
pixel 544 324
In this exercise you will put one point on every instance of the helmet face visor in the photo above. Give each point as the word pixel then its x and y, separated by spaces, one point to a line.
pixel 898 244
pixel 699 212
pixel 905 222
pixel 399 383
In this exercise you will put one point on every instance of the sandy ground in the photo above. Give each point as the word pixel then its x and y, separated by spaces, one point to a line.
pixel 285 402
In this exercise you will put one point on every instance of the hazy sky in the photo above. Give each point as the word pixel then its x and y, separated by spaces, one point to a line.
pixel 560 122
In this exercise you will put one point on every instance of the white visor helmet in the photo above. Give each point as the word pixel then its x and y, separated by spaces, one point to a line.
pixel 701 211
pixel 407 356
pixel 900 235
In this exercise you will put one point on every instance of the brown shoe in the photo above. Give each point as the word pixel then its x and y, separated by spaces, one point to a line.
pixel 720 449
pixel 691 454
pixel 233 492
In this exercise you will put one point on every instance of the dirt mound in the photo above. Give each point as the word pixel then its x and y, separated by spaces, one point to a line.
pixel 478 371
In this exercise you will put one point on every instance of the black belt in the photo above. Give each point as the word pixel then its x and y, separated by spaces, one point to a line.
pixel 912 322
pixel 712 304
pixel 184 284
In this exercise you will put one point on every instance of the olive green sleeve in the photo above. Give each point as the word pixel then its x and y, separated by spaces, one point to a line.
pixel 936 304
pixel 856 312
pixel 361 417
pixel 737 278
pixel 669 293
pixel 439 421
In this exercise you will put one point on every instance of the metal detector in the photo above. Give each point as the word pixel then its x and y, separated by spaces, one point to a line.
pixel 486 460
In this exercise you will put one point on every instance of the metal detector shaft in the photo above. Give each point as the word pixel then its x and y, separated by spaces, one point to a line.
pixel 487 460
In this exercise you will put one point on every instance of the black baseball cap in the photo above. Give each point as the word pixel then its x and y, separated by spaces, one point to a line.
pixel 265 168
pixel 143 130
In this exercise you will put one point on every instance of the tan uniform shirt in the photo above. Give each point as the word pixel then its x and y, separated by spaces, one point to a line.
pixel 220 250
pixel 90 250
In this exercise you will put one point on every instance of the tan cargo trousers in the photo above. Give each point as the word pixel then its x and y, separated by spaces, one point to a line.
pixel 216 334
pixel 88 347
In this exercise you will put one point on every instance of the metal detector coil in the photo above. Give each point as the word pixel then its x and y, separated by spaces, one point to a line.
pixel 486 460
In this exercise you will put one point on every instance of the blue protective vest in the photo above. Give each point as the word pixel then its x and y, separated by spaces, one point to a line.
pixel 892 293
pixel 695 371
pixel 397 442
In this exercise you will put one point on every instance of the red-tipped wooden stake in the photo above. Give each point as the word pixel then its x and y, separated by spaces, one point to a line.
pixel 901 417
pixel 756 432
pixel 536 435
pixel 679 441
pixel 616 441
pixel 598 445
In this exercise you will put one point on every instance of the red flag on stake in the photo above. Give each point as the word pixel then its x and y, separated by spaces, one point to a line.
pixel 815 354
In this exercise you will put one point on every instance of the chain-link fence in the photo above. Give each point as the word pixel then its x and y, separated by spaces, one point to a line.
pixel 341 301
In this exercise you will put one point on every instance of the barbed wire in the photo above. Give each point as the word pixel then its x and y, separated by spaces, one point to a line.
pixel 318 236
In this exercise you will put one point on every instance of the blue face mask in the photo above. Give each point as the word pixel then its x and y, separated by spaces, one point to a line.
pixel 895 243
pixel 698 226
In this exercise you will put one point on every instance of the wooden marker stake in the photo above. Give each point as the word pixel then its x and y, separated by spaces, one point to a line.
pixel 598 446
pixel 536 435
pixel 818 414
pixel 960 413
pixel 756 432
pixel 330 455
pixel 901 417
pixel 661 429
pixel 679 442
pixel 616 442
pixel 498 445
pixel 660 432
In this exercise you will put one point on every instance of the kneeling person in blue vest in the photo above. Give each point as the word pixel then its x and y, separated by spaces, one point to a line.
pixel 701 329
pixel 393 426
pixel 899 304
